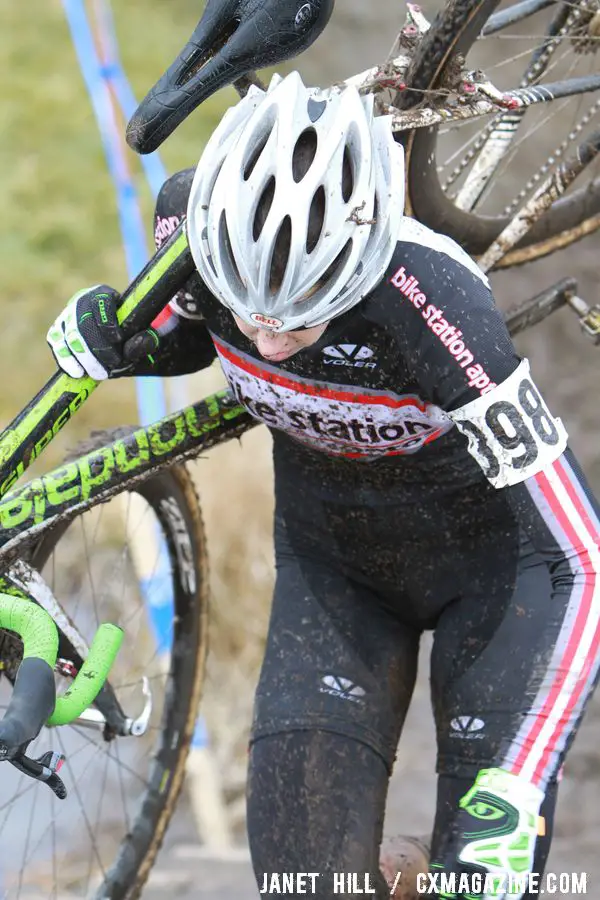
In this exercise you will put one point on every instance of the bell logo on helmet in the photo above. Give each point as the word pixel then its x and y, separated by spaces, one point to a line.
pixel 266 321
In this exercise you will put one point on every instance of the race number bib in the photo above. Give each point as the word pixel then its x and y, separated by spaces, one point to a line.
pixel 510 430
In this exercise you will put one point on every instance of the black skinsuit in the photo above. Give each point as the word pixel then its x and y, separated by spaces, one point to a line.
pixel 386 525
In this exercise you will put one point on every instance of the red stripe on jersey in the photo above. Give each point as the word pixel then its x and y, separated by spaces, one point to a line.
pixel 316 390
pixel 572 528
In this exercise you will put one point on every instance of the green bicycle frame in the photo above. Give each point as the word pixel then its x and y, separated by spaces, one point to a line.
pixel 33 429
pixel 34 699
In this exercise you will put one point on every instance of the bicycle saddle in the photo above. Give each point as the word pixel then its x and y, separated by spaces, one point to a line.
pixel 232 38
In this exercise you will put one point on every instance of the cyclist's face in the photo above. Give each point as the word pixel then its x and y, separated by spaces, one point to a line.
pixel 276 347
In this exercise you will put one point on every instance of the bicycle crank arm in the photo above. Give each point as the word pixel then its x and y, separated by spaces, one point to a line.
pixel 533 311
pixel 33 429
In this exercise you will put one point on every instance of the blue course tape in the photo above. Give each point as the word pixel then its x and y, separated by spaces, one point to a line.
pixel 150 391
pixel 99 77
pixel 113 73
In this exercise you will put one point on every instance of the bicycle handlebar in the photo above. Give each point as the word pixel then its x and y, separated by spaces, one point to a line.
pixel 33 700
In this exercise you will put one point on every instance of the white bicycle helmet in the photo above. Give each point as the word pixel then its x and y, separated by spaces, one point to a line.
pixel 296 203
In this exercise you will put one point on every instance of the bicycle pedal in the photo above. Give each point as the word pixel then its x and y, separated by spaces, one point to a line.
pixel 591 323
pixel 589 317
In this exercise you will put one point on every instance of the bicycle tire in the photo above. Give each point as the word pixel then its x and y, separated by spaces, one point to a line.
pixel 128 871
pixel 455 30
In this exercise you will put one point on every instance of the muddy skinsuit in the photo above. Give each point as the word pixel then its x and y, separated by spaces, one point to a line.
pixel 421 483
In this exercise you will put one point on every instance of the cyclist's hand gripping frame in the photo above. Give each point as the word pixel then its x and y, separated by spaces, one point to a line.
pixel 32 430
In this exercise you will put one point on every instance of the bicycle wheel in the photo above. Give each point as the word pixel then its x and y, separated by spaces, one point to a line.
pixel 144 549
pixel 446 188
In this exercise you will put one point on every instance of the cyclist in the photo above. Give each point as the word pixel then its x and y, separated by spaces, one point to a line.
pixel 421 483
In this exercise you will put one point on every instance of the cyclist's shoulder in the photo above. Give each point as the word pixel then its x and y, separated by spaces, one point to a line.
pixel 429 270
pixel 432 256
pixel 178 186
pixel 171 204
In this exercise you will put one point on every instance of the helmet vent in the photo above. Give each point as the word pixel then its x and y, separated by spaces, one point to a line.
pixel 347 175
pixel 375 208
pixel 315 109
pixel 281 254
pixel 304 154
pixel 227 257
pixel 254 154
pixel 204 236
pixel 263 207
pixel 316 219
pixel 338 263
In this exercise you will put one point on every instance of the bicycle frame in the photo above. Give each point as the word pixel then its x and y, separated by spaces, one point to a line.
pixel 93 478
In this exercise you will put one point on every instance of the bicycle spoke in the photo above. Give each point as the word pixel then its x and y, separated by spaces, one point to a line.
pixel 556 155
pixel 84 571
pixel 100 802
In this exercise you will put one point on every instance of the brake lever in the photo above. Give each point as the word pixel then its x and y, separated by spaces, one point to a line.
pixel 45 768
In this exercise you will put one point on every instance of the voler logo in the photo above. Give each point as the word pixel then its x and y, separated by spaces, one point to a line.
pixel 467 727
pixel 349 355
pixel 341 687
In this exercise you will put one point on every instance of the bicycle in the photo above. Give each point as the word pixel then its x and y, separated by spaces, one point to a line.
pixel 41 519
pixel 433 85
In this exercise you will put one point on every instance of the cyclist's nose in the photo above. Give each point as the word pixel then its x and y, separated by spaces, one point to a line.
pixel 270 342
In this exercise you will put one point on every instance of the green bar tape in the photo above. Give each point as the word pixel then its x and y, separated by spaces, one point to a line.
pixel 33 624
pixel 91 676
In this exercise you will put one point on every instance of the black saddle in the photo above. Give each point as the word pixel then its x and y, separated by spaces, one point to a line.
pixel 232 38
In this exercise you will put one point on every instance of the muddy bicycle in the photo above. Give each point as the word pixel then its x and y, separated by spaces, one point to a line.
pixel 132 743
